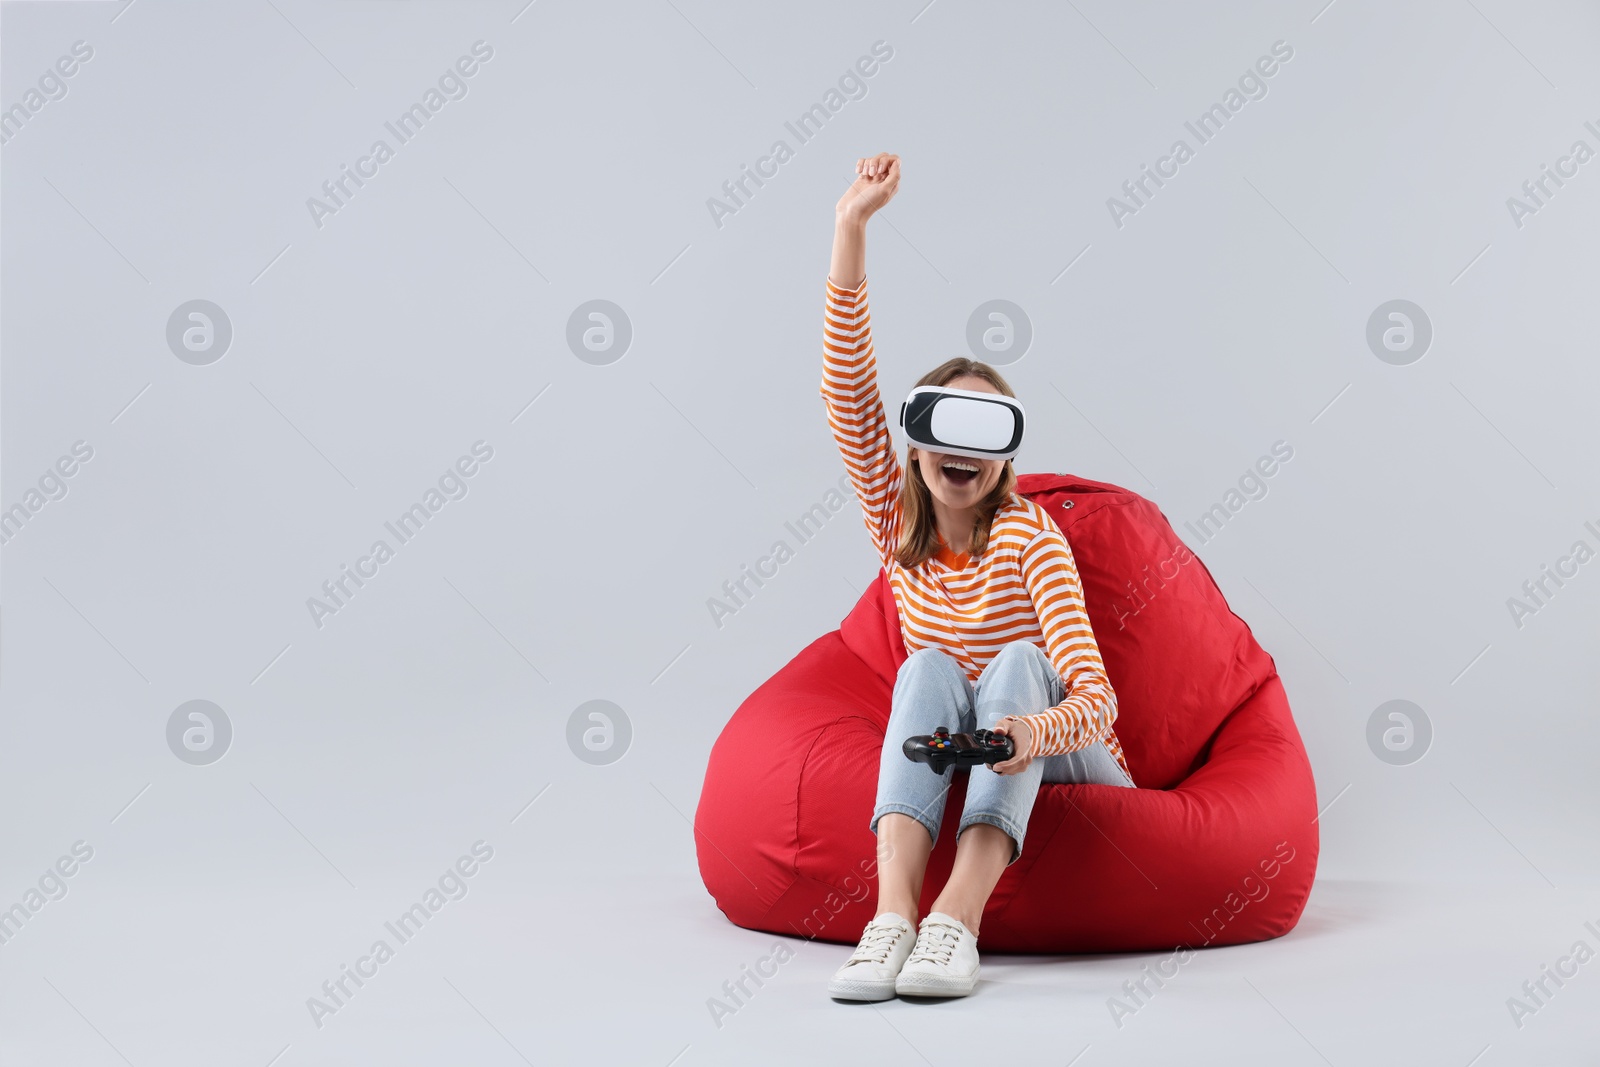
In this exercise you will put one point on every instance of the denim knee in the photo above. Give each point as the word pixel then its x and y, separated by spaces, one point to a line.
pixel 1030 655
pixel 934 677
pixel 935 660
pixel 1020 680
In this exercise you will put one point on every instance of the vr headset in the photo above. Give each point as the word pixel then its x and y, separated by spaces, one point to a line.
pixel 962 422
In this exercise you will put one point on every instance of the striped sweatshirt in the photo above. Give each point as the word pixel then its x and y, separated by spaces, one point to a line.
pixel 1025 586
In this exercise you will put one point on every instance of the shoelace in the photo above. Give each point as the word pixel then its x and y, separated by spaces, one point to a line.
pixel 935 942
pixel 876 941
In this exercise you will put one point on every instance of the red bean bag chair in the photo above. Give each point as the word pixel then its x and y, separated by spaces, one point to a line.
pixel 1216 846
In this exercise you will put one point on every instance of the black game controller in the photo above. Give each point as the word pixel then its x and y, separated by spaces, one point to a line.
pixel 941 748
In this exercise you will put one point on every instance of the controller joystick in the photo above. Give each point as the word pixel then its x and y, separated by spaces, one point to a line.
pixel 942 749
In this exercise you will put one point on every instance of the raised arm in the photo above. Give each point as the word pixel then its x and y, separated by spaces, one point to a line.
pixel 849 370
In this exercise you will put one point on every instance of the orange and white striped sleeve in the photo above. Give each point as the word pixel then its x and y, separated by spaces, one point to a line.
pixel 1089 707
pixel 856 415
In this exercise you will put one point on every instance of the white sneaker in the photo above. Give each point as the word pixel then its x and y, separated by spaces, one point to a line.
pixel 944 961
pixel 870 972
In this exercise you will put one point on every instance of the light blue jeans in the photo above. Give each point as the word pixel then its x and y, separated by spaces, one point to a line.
pixel 932 690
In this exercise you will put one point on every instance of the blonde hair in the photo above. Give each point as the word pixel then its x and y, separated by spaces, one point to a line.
pixel 918 534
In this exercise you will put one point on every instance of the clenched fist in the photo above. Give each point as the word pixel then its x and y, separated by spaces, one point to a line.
pixel 877 180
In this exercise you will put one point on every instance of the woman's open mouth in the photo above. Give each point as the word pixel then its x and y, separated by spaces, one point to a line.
pixel 959 472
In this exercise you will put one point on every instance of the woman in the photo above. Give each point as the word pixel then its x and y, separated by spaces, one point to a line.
pixel 991 609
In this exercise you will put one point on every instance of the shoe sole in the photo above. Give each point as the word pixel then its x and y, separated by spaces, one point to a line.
pixel 850 989
pixel 920 985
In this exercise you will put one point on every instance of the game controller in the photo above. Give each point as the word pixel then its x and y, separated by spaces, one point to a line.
pixel 941 749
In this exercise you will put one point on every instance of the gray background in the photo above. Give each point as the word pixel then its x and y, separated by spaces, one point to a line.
pixel 369 353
